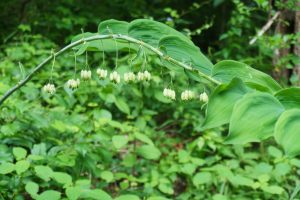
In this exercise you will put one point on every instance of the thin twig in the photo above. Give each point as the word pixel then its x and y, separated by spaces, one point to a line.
pixel 265 27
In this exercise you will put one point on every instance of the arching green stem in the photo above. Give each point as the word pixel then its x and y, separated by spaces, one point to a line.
pixel 101 37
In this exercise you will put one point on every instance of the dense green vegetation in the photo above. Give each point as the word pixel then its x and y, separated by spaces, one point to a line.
pixel 131 140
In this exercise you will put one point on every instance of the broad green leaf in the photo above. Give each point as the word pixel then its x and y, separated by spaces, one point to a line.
pixel 273 189
pixel 241 180
pixel 108 45
pixel 127 197
pixel 95 194
pixel 157 198
pixel 73 193
pixel 202 178
pixel 19 153
pixel 107 176
pixel 49 194
pixel 44 172
pixel 149 152
pixel 253 118
pixel 166 188
pixel 144 138
pixel 6 168
pixel 185 52
pixel 221 102
pixel 113 26
pixel 273 151
pixel 290 97
pixel 21 166
pixel 287 131
pixel 151 31
pixel 119 141
pixel 226 70
pixel 122 105
pixel 32 188
pixel 62 178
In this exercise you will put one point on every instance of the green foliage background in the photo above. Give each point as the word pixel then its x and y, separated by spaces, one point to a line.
pixel 112 141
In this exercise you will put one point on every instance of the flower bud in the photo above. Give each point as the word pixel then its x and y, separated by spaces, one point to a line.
pixel 129 77
pixel 115 77
pixel 86 74
pixel 49 88
pixel 102 73
pixel 73 84
pixel 204 97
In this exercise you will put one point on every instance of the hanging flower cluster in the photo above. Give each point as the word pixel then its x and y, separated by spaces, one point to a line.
pixel 204 97
pixel 144 76
pixel 129 77
pixel 86 75
pixel 187 95
pixel 49 88
pixel 102 73
pixel 73 84
pixel 115 77
pixel 169 93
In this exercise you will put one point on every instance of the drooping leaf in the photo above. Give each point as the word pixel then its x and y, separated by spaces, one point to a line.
pixel 287 131
pixel 226 70
pixel 113 26
pixel 253 118
pixel 186 52
pixel 221 102
pixel 119 141
pixel 151 31
pixel 149 152
pixel 290 97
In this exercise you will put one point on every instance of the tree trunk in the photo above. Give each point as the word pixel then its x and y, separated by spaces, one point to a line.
pixel 280 71
pixel 297 45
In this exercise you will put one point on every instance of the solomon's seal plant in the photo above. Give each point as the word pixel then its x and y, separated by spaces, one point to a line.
pixel 237 93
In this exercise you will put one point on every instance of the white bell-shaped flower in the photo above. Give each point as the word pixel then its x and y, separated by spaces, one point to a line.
pixel 140 76
pixel 187 95
pixel 115 77
pixel 86 74
pixel 102 73
pixel 129 77
pixel 169 93
pixel 73 84
pixel 204 97
pixel 49 88
pixel 147 76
